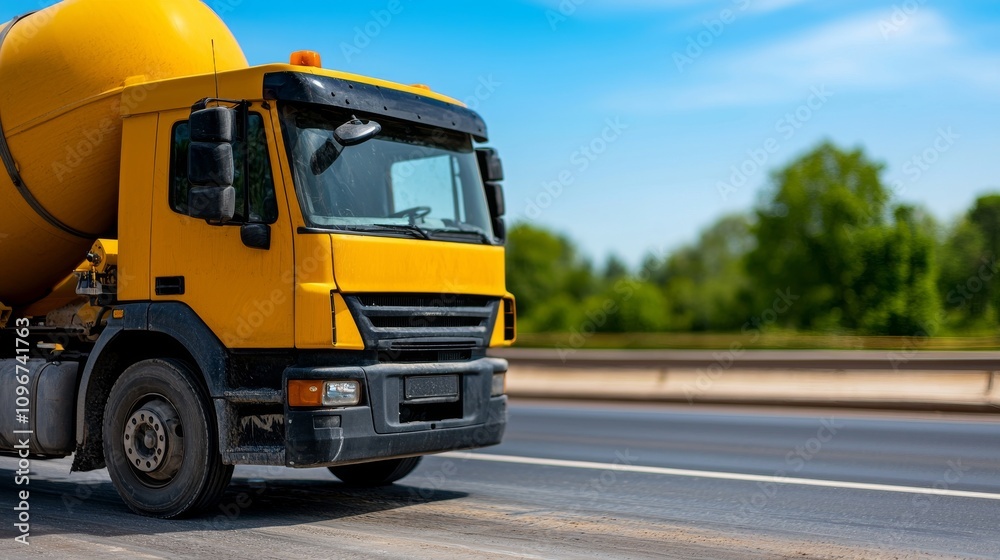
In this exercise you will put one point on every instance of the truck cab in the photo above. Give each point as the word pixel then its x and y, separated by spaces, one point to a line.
pixel 308 272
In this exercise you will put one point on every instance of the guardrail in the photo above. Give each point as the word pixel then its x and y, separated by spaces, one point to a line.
pixel 872 360
pixel 884 379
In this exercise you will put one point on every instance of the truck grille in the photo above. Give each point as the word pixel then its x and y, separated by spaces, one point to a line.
pixel 401 323
pixel 408 322
pixel 423 300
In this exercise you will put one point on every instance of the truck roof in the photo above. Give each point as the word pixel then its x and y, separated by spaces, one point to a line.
pixel 140 96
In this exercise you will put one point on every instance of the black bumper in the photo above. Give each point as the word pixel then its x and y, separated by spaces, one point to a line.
pixel 374 430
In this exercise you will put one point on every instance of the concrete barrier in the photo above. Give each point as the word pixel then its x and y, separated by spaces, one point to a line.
pixel 866 379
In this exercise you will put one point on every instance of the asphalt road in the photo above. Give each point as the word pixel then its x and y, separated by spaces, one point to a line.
pixel 576 480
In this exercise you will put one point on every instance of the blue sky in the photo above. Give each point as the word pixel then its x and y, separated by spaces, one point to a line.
pixel 632 124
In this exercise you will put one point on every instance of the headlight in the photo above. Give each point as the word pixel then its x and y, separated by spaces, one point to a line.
pixel 499 384
pixel 341 393
pixel 317 393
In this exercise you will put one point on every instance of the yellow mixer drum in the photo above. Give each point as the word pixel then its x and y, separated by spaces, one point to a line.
pixel 62 71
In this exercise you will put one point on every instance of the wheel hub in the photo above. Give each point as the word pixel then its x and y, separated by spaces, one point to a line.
pixel 152 440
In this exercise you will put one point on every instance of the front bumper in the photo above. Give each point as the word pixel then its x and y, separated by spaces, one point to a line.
pixel 375 430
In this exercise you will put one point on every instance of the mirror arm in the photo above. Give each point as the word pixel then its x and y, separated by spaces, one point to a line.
pixel 245 118
pixel 203 103
pixel 255 235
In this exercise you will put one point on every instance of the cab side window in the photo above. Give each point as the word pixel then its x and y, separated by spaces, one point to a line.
pixel 263 199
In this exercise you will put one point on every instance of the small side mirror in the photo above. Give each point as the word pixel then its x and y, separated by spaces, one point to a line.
pixel 256 236
pixel 490 165
pixel 214 204
pixel 357 132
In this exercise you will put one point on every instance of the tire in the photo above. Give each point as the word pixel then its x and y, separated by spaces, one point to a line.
pixel 378 473
pixel 161 443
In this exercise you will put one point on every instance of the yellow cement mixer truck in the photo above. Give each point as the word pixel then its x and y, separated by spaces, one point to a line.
pixel 207 264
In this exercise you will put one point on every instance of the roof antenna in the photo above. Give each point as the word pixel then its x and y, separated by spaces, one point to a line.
pixel 215 69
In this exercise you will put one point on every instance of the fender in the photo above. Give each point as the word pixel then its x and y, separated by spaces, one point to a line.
pixel 173 319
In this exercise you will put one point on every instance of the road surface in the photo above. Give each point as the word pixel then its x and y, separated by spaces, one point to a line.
pixel 585 480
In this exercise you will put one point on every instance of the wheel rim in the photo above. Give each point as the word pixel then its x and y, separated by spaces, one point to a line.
pixel 154 442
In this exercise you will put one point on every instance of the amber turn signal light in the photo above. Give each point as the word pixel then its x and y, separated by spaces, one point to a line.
pixel 305 393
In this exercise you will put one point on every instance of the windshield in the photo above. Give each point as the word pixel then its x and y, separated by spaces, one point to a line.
pixel 409 178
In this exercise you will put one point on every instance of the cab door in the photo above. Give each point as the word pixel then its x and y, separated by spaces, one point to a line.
pixel 244 295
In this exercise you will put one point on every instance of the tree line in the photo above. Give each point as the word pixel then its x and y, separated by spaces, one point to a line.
pixel 827 249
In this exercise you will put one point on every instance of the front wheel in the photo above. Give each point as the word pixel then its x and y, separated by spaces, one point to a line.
pixel 160 441
pixel 378 473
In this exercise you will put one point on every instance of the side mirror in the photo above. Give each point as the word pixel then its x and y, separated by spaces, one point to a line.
pixel 213 204
pixel 500 230
pixel 491 168
pixel 356 132
pixel 211 165
pixel 215 124
pixel 490 165
pixel 495 200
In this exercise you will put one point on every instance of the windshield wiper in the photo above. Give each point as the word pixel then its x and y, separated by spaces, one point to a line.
pixel 411 229
pixel 482 235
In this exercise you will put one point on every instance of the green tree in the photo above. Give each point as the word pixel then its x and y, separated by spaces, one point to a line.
pixel 968 282
pixel 705 284
pixel 549 278
pixel 614 269
pixel 824 233
pixel 629 305
pixel 895 294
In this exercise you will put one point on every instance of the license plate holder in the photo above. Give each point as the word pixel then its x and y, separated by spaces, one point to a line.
pixel 432 388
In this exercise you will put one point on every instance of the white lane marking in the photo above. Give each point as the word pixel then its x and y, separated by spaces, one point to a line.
pixel 720 475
